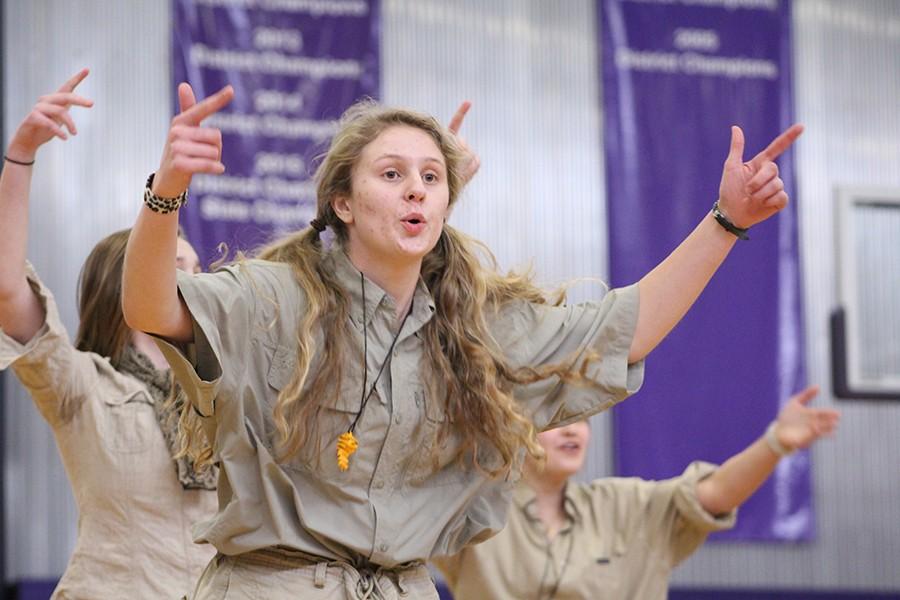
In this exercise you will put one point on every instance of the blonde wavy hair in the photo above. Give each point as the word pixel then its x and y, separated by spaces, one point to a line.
pixel 465 284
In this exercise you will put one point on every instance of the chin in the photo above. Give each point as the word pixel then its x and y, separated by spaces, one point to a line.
pixel 563 468
pixel 417 250
pixel 571 466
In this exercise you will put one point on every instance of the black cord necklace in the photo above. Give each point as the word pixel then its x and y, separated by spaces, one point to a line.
pixel 562 572
pixel 347 442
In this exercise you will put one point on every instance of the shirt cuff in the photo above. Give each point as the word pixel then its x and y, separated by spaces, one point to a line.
pixel 688 505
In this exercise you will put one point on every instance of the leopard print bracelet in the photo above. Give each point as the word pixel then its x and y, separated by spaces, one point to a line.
pixel 161 205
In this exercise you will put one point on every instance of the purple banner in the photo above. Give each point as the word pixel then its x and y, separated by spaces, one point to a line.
pixel 295 66
pixel 676 75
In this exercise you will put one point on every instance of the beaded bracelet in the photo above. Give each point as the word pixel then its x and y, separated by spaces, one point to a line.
pixel 162 205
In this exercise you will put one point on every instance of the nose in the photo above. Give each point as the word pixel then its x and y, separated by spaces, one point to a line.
pixel 416 190
pixel 571 430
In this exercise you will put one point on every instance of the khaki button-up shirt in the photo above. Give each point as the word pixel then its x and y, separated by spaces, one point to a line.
pixel 394 504
pixel 621 539
pixel 134 516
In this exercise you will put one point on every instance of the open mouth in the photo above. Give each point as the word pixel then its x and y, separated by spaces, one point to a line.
pixel 414 223
pixel 414 219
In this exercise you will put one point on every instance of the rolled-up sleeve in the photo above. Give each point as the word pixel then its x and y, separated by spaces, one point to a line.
pixel 665 515
pixel 57 376
pixel 222 307
pixel 533 335
pixel 693 523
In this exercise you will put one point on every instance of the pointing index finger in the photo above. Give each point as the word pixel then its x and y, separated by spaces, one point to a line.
pixel 457 120
pixel 208 106
pixel 73 81
pixel 778 145
pixel 806 395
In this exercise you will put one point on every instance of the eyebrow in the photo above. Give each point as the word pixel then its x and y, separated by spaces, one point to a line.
pixel 405 158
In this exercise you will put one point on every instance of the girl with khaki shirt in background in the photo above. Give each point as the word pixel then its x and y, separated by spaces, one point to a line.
pixel 618 538
pixel 104 397
pixel 368 400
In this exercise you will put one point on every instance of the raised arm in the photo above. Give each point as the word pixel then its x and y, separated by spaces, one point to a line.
pixel 21 314
pixel 749 193
pixel 797 426
pixel 150 300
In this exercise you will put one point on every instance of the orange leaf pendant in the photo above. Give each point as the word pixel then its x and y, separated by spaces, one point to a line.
pixel 346 445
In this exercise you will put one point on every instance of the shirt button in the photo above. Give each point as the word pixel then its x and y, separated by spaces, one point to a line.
pixel 397 419
pixel 379 485
pixel 383 547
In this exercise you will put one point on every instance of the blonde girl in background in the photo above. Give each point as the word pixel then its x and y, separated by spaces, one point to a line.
pixel 619 537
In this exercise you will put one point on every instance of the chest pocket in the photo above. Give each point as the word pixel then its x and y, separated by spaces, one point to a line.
pixel 128 423
pixel 436 462
pixel 603 566
pixel 281 369
pixel 332 419
pixel 600 578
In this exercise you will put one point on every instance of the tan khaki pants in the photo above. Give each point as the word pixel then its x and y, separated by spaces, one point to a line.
pixel 272 574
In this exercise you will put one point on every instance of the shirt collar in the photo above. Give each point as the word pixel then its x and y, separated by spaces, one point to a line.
pixel 570 502
pixel 348 276
pixel 525 499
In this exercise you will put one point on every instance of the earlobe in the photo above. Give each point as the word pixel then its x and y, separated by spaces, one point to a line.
pixel 341 208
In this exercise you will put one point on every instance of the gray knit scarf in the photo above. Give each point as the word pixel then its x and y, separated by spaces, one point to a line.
pixel 159 384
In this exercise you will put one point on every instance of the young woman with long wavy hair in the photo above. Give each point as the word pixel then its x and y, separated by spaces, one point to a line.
pixel 370 401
